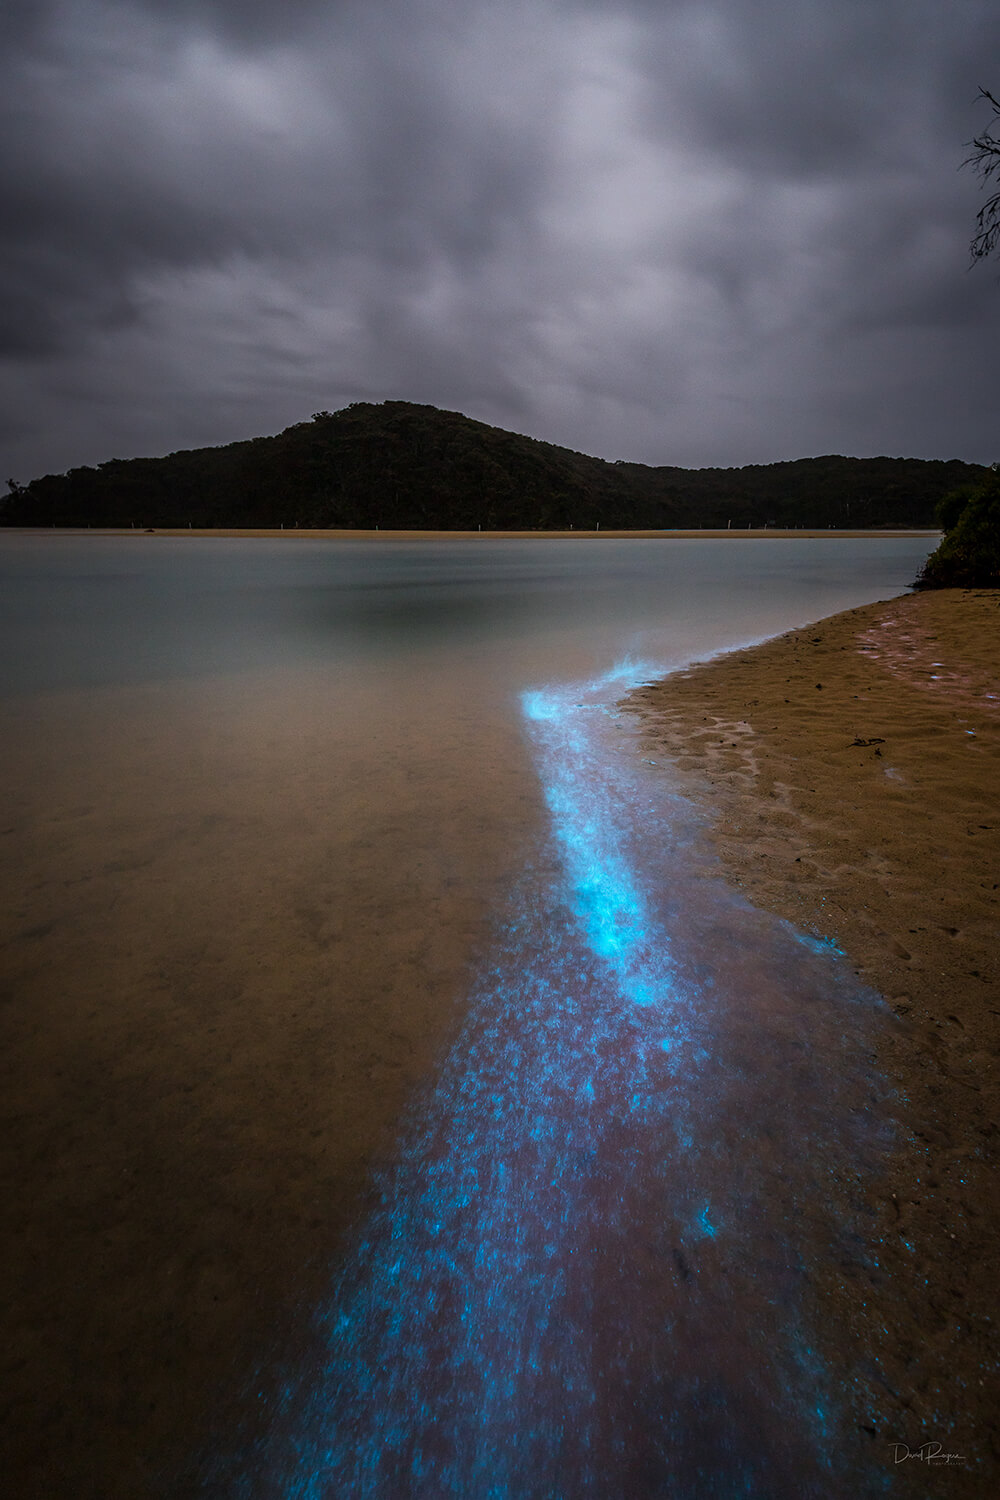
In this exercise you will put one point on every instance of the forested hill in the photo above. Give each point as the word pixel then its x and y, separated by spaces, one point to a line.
pixel 399 465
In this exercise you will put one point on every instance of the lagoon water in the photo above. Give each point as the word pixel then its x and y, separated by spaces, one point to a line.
pixel 367 811
pixel 80 611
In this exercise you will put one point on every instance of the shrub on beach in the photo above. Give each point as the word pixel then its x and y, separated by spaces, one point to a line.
pixel 969 555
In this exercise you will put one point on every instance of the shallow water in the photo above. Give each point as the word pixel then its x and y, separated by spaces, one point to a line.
pixel 79 612
pixel 588 1271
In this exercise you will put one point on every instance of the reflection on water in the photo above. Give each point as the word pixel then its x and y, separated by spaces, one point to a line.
pixel 268 828
pixel 78 611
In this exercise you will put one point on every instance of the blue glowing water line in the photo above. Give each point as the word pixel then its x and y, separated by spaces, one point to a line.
pixel 579 793
pixel 557 1244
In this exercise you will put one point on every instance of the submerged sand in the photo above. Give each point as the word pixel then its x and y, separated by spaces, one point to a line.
pixel 237 923
pixel 221 988
pixel 851 771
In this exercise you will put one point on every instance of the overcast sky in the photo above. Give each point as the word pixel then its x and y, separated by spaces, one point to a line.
pixel 712 232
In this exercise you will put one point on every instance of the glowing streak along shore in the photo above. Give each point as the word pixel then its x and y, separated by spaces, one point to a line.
pixel 502 1331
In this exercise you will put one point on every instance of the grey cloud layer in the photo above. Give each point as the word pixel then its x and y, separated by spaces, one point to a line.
pixel 697 233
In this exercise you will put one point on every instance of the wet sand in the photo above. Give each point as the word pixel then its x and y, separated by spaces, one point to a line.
pixel 850 769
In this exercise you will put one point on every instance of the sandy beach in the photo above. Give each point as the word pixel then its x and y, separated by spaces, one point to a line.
pixel 850 769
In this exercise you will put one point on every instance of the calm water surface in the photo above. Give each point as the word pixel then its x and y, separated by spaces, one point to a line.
pixel 81 611
pixel 587 1272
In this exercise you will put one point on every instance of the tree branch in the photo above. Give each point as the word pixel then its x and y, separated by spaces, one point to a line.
pixel 985 160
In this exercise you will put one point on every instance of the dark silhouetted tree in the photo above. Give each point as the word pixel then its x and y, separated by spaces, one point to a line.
pixel 969 555
pixel 985 159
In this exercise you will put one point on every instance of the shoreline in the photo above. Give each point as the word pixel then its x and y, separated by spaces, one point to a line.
pixel 846 770
pixel 771 533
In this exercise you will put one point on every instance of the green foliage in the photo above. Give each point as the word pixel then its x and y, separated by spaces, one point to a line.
pixel 399 465
pixel 969 555
pixel 951 506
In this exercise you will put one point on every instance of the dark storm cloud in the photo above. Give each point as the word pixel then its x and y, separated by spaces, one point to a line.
pixel 22 20
pixel 246 22
pixel 791 89
pixel 701 232
pixel 158 151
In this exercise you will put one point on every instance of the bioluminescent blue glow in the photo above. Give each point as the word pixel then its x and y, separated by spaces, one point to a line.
pixel 589 1273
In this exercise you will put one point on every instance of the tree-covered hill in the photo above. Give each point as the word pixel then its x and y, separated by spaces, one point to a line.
pixel 398 465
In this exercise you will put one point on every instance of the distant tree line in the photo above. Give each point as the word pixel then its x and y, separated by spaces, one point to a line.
pixel 399 465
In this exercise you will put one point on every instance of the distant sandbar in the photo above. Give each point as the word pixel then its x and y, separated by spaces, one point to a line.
pixel 378 535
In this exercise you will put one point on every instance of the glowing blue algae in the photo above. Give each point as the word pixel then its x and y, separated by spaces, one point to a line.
pixel 544 1306
pixel 704 1223
pixel 820 944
